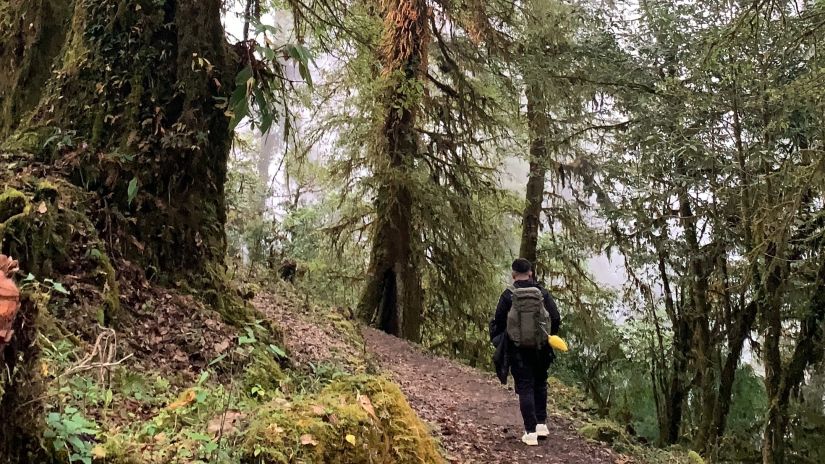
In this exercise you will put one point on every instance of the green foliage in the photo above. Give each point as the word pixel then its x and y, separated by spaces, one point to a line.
pixel 71 434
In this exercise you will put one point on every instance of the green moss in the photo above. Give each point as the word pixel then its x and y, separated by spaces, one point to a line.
pixel 111 290
pixel 28 141
pixel 603 431
pixel 695 458
pixel 357 420
pixel 45 191
pixel 262 371
pixel 12 203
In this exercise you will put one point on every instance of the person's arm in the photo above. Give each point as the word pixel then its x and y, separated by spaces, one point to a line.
pixel 499 323
pixel 555 317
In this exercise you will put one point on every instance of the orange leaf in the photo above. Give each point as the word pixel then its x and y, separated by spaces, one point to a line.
pixel 185 399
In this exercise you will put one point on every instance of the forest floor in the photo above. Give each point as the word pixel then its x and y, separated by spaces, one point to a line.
pixel 474 417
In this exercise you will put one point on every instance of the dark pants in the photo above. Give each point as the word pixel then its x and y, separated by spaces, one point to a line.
pixel 529 368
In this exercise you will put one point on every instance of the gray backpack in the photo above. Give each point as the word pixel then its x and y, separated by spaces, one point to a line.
pixel 527 320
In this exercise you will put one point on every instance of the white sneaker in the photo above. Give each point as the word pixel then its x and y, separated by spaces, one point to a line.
pixel 530 439
pixel 542 431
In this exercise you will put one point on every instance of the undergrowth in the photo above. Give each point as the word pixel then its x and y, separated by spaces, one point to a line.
pixel 251 403
pixel 572 403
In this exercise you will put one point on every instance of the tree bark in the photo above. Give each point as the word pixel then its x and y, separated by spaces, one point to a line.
pixel 131 92
pixel 743 324
pixel 538 122
pixel 393 298
pixel 781 382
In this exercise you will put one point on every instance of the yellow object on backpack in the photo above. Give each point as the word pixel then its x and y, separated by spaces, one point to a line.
pixel 557 343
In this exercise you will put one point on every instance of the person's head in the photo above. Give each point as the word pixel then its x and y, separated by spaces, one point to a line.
pixel 522 269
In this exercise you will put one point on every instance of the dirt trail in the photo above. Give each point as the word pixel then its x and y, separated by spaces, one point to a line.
pixel 476 418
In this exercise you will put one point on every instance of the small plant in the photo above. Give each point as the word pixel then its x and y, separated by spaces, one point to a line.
pixel 72 433
pixel 49 284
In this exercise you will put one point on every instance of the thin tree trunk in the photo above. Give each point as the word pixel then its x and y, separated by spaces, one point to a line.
pixel 736 341
pixel 393 298
pixel 808 351
pixel 538 122
pixel 745 318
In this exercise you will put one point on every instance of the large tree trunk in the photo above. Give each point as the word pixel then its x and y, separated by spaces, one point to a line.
pixel 393 298
pixel 538 122
pixel 123 86
pixel 115 147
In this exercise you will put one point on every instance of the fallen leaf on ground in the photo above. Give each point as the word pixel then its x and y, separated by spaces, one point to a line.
pixel 365 403
pixel 185 399
pixel 42 208
pixel 350 439
pixel 225 424
pixel 307 439
pixel 318 410
pixel 222 346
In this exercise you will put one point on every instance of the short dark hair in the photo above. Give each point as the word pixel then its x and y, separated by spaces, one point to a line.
pixel 522 266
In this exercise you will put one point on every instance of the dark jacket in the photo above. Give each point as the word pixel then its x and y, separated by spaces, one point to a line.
pixel 506 352
pixel 500 358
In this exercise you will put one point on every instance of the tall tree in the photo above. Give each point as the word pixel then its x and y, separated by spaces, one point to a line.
pixel 115 139
pixel 393 295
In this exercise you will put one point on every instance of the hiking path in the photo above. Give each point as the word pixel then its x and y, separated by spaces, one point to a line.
pixel 475 417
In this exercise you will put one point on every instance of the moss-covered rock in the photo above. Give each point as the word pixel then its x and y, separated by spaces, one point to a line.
pixel 357 420
pixel 12 203
pixel 695 458
pixel 45 191
pixel 603 431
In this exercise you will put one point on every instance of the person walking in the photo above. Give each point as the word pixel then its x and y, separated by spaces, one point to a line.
pixel 520 330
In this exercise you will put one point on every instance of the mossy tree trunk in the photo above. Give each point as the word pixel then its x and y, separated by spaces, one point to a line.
pixel 538 122
pixel 112 133
pixel 782 378
pixel 122 95
pixel 393 298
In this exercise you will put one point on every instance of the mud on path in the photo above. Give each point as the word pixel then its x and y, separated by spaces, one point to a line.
pixel 475 417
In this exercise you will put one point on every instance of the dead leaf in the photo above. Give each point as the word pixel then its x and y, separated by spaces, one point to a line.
pixel 365 403
pixel 185 399
pixel 350 438
pixel 307 439
pixel 222 346
pixel 318 410
pixel 276 429
pixel 282 403
pixel 42 208
pixel 225 424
